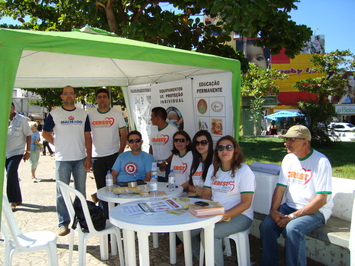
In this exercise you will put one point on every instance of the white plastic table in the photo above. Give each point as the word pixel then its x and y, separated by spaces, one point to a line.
pixel 113 198
pixel 162 222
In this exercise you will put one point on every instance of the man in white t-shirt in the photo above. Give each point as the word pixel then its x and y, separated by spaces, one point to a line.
pixel 109 136
pixel 72 141
pixel 306 181
pixel 161 141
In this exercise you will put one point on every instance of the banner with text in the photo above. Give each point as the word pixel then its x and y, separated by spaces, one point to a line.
pixel 176 98
pixel 140 103
pixel 213 104
pixel 202 102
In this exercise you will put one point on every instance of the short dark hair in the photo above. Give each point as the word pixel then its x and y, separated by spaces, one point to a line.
pixel 160 111
pixel 102 90
pixel 134 132
pixel 13 104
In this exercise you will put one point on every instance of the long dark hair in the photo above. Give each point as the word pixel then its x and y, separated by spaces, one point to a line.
pixel 238 157
pixel 187 137
pixel 197 156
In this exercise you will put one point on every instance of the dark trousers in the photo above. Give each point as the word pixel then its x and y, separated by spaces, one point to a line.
pixel 100 166
pixel 167 172
pixel 13 185
pixel 46 145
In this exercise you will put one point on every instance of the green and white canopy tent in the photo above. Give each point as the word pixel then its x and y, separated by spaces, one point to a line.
pixel 34 59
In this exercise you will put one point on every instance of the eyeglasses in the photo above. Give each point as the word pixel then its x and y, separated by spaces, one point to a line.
pixel 227 147
pixel 292 139
pixel 134 141
pixel 179 140
pixel 68 93
pixel 202 142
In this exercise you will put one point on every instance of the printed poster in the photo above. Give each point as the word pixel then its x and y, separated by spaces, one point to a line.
pixel 213 104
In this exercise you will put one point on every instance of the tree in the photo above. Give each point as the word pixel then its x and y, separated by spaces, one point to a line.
pixel 180 27
pixel 332 67
pixel 51 97
pixel 258 82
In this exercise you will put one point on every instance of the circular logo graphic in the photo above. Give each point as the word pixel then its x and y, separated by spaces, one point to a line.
pixel 202 106
pixel 217 106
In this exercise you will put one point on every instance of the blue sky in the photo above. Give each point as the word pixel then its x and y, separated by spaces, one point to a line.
pixel 334 19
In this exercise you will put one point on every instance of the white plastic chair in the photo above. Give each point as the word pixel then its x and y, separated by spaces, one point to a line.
pixel 242 245
pixel 16 241
pixel 69 194
pixel 241 240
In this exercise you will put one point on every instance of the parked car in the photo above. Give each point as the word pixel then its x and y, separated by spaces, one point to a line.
pixel 341 126
pixel 340 131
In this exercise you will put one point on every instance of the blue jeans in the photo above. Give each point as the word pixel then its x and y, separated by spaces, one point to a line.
pixel 63 172
pixel 237 224
pixel 13 186
pixel 294 233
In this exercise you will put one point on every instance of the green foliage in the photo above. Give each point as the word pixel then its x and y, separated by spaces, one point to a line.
pixel 180 27
pixel 332 66
pixel 258 82
pixel 256 107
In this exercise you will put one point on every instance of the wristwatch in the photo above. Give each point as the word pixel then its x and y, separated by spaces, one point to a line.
pixel 292 216
pixel 28 151
pixel 166 162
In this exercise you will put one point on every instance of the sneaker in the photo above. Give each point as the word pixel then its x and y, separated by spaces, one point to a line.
pixel 13 206
pixel 63 231
pixel 35 180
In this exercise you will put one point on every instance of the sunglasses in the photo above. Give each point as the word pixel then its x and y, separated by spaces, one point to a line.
pixel 134 141
pixel 202 142
pixel 179 140
pixel 227 147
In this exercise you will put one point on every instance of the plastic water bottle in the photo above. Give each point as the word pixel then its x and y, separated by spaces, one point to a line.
pixel 109 181
pixel 171 183
pixel 153 184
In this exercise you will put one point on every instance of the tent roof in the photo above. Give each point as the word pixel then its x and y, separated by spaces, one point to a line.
pixel 34 59
pixel 56 59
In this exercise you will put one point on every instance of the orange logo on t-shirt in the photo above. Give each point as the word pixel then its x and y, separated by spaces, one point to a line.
pixel 108 121
pixel 163 139
pixel 180 168
pixel 303 175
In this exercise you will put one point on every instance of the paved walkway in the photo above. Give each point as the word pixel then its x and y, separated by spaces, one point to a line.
pixel 38 212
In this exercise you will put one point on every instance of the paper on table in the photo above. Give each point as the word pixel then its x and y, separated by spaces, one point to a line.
pixel 148 207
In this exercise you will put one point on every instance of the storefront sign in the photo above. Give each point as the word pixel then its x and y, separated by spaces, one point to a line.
pixel 345 109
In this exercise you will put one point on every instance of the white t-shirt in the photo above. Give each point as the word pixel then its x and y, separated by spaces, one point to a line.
pixel 17 132
pixel 197 176
pixel 69 128
pixel 305 178
pixel 105 132
pixel 227 190
pixel 181 167
pixel 162 141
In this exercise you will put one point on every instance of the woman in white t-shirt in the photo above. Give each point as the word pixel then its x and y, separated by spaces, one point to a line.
pixel 202 154
pixel 231 182
pixel 182 158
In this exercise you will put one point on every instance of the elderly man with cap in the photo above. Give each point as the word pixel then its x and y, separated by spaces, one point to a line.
pixel 306 182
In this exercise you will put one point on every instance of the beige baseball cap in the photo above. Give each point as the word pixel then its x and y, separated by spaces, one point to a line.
pixel 298 131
